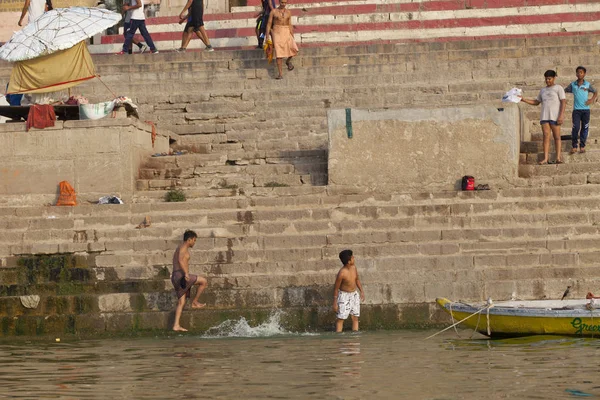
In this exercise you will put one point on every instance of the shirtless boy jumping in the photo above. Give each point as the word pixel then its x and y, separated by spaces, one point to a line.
pixel 182 279
pixel 346 300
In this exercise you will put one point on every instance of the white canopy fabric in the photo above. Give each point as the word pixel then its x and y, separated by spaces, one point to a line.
pixel 55 30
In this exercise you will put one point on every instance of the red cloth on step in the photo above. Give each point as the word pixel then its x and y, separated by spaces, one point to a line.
pixel 40 116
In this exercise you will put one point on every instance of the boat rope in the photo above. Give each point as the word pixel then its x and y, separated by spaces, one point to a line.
pixel 488 306
pixel 592 315
pixel 476 326
pixel 452 318
pixel 489 331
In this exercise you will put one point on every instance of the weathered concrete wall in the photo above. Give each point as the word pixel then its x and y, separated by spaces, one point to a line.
pixel 416 149
pixel 97 157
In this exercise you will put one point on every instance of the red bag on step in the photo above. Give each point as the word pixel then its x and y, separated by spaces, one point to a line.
pixel 468 183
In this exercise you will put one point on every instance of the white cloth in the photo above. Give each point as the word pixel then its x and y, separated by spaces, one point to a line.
pixel 348 304
pixel 514 95
pixel 101 110
pixel 96 111
pixel 3 102
pixel 36 9
pixel 38 98
pixel 550 97
pixel 110 200
pixel 138 13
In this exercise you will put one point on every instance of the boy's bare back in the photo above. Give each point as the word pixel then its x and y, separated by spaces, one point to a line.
pixel 348 275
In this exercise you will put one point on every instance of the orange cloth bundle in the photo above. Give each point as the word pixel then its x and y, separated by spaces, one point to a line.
pixel 268 48
pixel 67 195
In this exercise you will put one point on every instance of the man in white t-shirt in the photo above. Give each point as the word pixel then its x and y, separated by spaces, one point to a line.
pixel 35 8
pixel 137 21
pixel 553 101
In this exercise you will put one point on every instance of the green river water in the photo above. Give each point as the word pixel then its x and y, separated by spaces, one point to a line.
pixel 239 361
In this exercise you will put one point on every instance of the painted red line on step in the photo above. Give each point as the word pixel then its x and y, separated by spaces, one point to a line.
pixel 397 25
pixel 442 5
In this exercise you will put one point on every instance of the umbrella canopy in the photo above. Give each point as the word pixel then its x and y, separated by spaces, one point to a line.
pixel 55 30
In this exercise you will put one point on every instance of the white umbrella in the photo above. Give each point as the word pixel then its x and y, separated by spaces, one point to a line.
pixel 55 30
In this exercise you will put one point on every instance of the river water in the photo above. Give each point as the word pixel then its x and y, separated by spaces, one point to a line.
pixel 239 361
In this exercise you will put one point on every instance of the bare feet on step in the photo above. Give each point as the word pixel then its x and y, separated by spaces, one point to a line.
pixel 179 329
pixel 198 305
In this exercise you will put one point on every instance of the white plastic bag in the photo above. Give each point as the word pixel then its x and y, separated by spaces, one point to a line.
pixel 514 95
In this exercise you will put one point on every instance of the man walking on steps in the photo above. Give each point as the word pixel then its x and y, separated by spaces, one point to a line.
pixel 127 25
pixel 182 280
pixel 138 21
pixel 193 13
pixel 581 90
pixel 282 32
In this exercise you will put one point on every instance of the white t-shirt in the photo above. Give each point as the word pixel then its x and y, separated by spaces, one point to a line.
pixel 550 97
pixel 36 8
pixel 138 13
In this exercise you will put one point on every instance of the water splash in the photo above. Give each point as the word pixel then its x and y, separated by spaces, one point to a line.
pixel 241 328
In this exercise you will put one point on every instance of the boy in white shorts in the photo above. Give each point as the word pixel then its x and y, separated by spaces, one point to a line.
pixel 346 299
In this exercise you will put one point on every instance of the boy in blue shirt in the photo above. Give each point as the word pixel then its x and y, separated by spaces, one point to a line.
pixel 581 108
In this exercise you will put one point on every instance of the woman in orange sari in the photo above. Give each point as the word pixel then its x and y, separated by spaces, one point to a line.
pixel 282 33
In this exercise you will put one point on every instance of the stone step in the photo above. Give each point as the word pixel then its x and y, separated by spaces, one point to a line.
pixel 479 64
pixel 187 163
pixel 71 288
pixel 120 63
pixel 31 219
pixel 225 171
pixel 580 172
pixel 274 231
pixel 266 222
pixel 591 156
pixel 397 64
pixel 387 82
pixel 385 268
pixel 228 182
pixel 128 262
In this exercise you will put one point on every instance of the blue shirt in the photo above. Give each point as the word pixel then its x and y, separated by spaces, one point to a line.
pixel 580 94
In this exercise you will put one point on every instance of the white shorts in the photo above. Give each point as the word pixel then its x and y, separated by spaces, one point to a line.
pixel 348 304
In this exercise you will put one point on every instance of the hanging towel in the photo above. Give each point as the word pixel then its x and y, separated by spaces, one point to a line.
pixel 40 116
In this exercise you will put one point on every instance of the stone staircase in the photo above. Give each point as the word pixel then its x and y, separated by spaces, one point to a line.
pixel 370 21
pixel 255 131
pixel 280 251
pixel 270 231
pixel 244 129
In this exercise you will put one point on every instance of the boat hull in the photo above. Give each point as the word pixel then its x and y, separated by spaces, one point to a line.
pixel 514 321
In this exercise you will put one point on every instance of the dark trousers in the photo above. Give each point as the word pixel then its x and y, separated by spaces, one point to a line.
pixel 581 125
pixel 262 28
pixel 136 24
